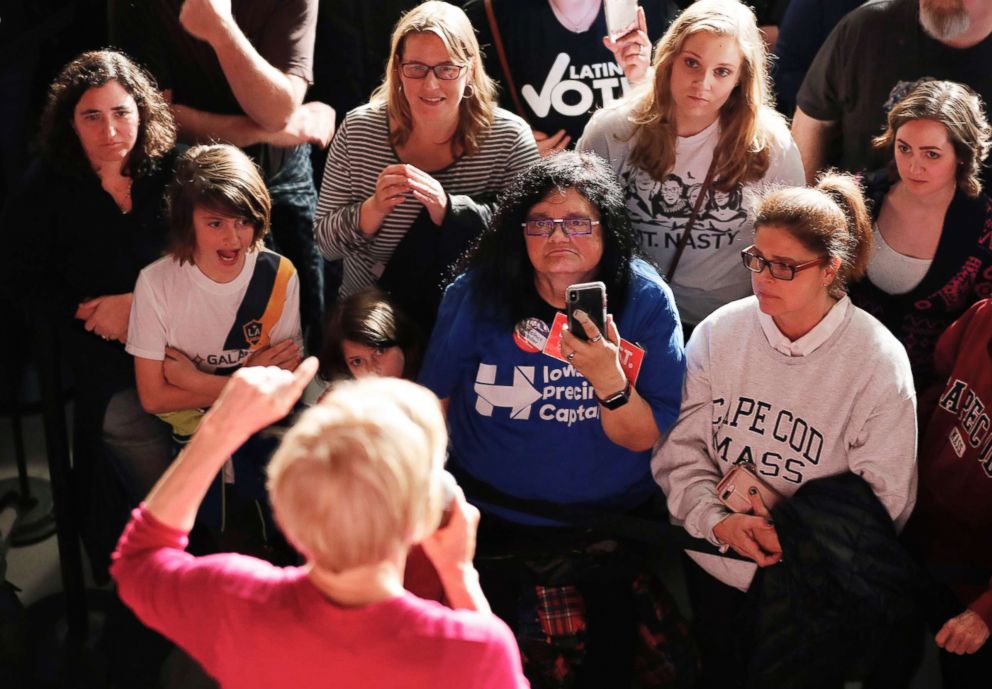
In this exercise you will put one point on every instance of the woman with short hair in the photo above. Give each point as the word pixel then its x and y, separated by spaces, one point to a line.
pixel 355 482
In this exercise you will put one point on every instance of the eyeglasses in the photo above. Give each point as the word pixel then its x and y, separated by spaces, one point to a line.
pixel 570 227
pixel 445 71
pixel 778 270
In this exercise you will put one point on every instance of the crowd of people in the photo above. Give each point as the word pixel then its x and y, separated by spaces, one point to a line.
pixel 789 381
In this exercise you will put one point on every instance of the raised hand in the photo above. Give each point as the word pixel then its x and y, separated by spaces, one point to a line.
pixel 205 19
pixel 632 51
pixel 257 396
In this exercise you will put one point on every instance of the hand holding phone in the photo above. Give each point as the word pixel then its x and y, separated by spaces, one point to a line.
pixel 735 490
pixel 621 15
pixel 589 297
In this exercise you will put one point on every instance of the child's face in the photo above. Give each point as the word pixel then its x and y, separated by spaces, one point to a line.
pixel 221 243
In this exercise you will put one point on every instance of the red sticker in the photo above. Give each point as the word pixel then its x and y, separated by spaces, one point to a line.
pixel 631 356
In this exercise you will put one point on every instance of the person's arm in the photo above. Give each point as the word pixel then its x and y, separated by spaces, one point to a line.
pixel 267 95
pixel 683 464
pixel 158 394
pixel 311 123
pixel 337 220
pixel 451 551
pixel 883 450
pixel 812 137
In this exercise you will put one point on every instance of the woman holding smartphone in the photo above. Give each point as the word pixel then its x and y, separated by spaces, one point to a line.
pixel 798 382
pixel 706 119
pixel 563 428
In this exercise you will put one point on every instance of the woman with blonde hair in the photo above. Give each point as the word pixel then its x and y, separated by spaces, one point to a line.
pixel 706 118
pixel 931 259
pixel 804 395
pixel 427 153
pixel 355 482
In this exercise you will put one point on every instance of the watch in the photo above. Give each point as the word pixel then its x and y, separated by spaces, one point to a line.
pixel 617 399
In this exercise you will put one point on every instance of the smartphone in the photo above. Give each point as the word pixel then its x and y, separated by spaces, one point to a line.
pixel 591 298
pixel 734 489
pixel 621 17
pixel 448 488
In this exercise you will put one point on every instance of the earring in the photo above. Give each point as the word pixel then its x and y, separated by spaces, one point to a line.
pixel 469 91
pixel 400 88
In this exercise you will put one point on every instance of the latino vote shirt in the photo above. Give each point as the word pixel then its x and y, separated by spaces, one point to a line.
pixel 561 76
pixel 529 424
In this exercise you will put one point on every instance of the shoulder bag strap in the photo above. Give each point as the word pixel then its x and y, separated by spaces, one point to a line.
pixel 683 240
pixel 501 53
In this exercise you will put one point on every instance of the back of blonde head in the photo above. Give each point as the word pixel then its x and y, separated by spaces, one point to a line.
pixel 748 121
pixel 357 477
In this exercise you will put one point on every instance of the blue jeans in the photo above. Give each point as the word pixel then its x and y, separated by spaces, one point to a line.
pixel 294 200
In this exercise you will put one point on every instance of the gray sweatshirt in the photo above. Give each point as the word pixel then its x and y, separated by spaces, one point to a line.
pixel 849 405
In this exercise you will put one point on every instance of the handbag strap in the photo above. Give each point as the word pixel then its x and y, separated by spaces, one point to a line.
pixel 501 53
pixel 684 238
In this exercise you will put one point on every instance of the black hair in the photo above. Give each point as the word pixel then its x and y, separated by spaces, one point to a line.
pixel 501 272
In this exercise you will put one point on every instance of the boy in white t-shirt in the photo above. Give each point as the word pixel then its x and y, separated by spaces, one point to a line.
pixel 217 301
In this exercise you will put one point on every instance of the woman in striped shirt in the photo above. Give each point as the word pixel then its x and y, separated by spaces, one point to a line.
pixel 429 152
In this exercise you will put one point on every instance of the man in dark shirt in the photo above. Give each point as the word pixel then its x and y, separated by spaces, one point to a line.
pixel 870 60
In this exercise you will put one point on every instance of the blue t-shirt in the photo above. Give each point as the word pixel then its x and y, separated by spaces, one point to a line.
pixel 528 424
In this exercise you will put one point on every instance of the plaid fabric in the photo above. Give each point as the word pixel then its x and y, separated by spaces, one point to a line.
pixel 560 610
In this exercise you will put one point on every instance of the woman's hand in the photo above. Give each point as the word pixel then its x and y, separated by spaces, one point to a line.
pixel 598 358
pixel 963 634
pixel 285 354
pixel 178 369
pixel 391 188
pixel 553 143
pixel 632 51
pixel 453 546
pixel 751 535
pixel 429 192
pixel 107 316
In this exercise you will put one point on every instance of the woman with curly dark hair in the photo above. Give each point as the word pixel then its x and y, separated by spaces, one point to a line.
pixel 541 432
pixel 87 220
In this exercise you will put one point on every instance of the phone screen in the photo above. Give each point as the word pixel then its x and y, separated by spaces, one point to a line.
pixel 621 15
pixel 589 297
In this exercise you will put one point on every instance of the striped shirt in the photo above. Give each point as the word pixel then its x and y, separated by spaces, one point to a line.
pixel 359 152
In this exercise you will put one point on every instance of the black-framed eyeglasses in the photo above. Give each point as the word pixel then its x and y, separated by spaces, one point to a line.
pixel 778 270
pixel 446 71
pixel 570 227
